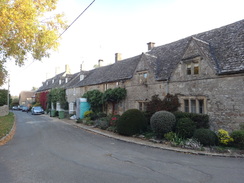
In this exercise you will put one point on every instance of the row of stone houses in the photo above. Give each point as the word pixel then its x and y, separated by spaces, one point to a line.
pixel 205 71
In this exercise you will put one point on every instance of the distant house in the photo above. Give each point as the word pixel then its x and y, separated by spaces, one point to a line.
pixel 26 98
pixel 205 71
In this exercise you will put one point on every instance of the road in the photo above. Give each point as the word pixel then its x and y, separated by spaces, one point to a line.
pixel 47 150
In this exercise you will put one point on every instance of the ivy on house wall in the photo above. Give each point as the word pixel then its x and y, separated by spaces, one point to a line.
pixel 57 95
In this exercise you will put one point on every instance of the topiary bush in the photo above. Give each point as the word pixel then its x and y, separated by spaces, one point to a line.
pixel 201 120
pixel 131 122
pixel 206 137
pixel 238 137
pixel 185 127
pixel 162 122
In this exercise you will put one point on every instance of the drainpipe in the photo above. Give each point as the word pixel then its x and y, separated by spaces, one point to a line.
pixel 167 85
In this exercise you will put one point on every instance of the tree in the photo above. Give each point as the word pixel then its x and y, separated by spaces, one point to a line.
pixel 95 98
pixel 114 96
pixel 3 97
pixel 26 31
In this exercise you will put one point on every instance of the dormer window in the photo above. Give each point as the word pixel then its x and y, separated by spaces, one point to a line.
pixel 81 77
pixel 192 68
pixel 53 81
pixel 60 81
pixel 196 68
pixel 143 77
pixel 188 69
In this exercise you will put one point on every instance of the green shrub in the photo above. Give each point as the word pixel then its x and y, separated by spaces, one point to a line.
pixel 170 136
pixel 88 114
pixel 162 122
pixel 102 123
pixel 131 122
pixel 185 127
pixel 201 120
pixel 238 137
pixel 206 137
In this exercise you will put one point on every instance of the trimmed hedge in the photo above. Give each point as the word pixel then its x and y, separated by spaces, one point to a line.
pixel 131 122
pixel 185 127
pixel 238 137
pixel 206 137
pixel 201 120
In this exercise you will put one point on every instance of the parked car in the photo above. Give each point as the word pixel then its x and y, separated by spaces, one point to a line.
pixel 15 108
pixel 37 110
pixel 25 109
pixel 20 107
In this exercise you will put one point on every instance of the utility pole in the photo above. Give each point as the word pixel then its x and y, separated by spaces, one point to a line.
pixel 8 91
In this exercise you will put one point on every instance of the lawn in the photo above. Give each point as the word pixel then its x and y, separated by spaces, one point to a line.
pixel 6 123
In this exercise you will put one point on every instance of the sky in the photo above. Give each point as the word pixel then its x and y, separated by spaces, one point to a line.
pixel 121 26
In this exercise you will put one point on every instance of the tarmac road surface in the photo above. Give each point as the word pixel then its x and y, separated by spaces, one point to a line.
pixel 47 150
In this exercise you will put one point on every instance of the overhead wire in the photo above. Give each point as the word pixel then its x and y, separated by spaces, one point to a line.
pixel 76 18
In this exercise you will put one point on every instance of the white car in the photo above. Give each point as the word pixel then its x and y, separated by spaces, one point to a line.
pixel 37 110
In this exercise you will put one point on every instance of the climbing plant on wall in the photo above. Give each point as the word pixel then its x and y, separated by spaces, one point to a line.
pixel 57 95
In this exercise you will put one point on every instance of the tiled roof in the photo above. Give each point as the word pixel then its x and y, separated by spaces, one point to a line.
pixel 120 70
pixel 225 50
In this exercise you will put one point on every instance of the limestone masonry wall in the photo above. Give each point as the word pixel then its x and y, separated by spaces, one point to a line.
pixel 4 110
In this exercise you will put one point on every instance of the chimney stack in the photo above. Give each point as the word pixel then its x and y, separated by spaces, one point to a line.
pixel 67 69
pixel 80 67
pixel 118 57
pixel 150 45
pixel 100 62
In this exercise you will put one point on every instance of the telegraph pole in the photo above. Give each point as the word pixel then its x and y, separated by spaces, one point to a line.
pixel 8 92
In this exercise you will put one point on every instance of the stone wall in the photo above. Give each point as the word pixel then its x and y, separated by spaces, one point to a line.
pixel 4 110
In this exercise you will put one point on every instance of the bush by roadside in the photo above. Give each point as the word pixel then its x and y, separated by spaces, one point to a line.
pixel 6 124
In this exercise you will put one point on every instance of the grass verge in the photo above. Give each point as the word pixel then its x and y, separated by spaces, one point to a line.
pixel 6 124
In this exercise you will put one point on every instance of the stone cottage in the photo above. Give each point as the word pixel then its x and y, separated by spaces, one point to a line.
pixel 205 71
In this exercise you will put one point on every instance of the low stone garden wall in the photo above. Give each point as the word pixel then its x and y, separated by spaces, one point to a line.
pixel 4 110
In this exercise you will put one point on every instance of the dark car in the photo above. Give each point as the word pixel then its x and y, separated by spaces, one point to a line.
pixel 15 107
pixel 20 107
pixel 25 109
pixel 37 110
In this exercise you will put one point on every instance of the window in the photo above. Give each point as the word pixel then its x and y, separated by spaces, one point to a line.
pixel 105 87
pixel 194 105
pixel 142 106
pixel 201 106
pixel 186 105
pixel 66 80
pixel 192 68
pixel 60 81
pixel 196 68
pixel 81 77
pixel 143 77
pixel 71 106
pixel 188 70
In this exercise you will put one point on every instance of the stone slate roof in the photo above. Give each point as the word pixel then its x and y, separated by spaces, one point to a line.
pixel 223 47
pixel 225 50
pixel 118 71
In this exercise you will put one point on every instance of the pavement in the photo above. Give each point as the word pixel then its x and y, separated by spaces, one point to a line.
pixel 146 142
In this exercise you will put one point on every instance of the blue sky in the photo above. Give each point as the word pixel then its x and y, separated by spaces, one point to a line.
pixel 123 26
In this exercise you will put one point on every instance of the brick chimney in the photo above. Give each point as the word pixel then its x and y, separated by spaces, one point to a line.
pixel 118 57
pixel 150 45
pixel 100 62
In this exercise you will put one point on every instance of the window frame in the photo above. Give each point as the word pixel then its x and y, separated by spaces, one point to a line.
pixel 194 104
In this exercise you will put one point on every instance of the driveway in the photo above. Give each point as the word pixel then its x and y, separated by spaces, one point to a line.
pixel 47 150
